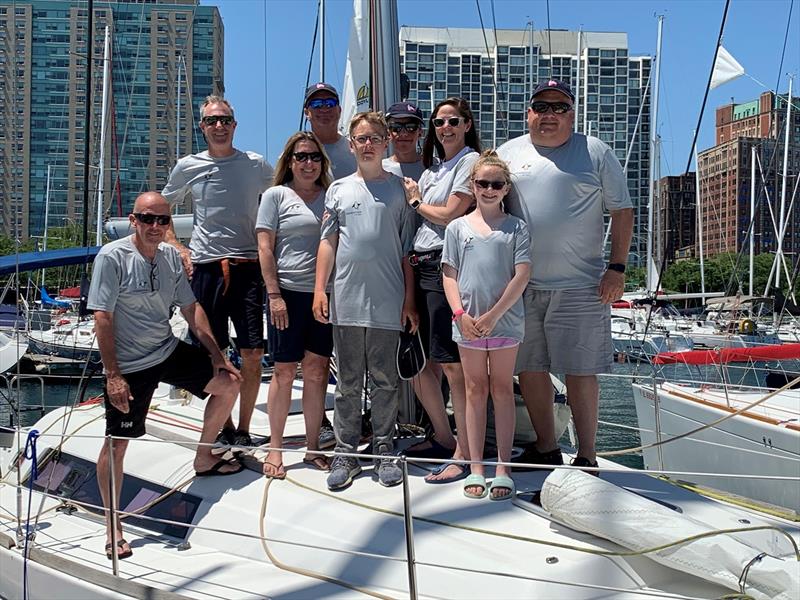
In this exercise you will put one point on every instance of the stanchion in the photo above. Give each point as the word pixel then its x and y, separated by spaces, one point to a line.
pixel 409 527
pixel 112 505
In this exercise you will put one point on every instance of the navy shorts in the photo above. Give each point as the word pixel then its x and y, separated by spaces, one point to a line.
pixel 436 326
pixel 242 303
pixel 304 334
pixel 188 368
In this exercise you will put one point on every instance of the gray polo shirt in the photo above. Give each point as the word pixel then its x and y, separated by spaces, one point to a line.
pixel 436 185
pixel 140 295
pixel 296 224
pixel 375 227
pixel 343 162
pixel 562 193
pixel 485 266
pixel 413 170
pixel 225 192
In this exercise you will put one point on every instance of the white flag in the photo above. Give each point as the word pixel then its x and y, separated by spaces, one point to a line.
pixel 355 91
pixel 726 68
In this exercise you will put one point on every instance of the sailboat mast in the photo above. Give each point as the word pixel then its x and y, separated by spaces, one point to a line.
pixel 178 115
pixel 87 119
pixel 782 218
pixel 651 276
pixel 104 112
pixel 699 211
pixel 752 212
pixel 576 104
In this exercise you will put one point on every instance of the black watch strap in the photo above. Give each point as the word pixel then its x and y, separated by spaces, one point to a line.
pixel 415 204
pixel 618 267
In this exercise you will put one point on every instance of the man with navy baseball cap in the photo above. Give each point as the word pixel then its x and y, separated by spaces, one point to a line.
pixel 322 109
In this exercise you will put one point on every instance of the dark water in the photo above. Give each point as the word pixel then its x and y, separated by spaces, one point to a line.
pixel 616 406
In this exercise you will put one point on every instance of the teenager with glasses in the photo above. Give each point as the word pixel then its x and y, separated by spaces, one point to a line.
pixel 321 108
pixel 450 150
pixel 405 130
pixel 135 282
pixel 486 267
pixel 564 182
pixel 288 229
pixel 225 185
pixel 367 230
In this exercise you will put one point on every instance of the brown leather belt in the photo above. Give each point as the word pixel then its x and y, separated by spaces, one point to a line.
pixel 225 264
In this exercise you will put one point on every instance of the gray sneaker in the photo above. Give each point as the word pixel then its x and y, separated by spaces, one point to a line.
pixel 389 472
pixel 343 470
pixel 327 439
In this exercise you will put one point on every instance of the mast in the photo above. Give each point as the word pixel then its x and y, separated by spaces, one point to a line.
pixel 104 111
pixel 782 217
pixel 178 115
pixel 699 226
pixel 577 80
pixel 652 277
pixel 752 212
pixel 530 59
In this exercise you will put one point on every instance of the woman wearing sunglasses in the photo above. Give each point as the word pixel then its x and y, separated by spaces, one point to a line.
pixel 288 229
pixel 450 150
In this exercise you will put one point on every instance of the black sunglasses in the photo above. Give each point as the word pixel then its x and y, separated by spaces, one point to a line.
pixel 452 121
pixel 401 127
pixel 323 103
pixel 540 107
pixel 149 219
pixel 304 156
pixel 212 120
pixel 486 184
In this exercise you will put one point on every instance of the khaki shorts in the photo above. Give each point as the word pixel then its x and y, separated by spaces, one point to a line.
pixel 566 332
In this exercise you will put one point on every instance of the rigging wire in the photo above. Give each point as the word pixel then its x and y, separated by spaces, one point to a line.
pixel 310 62
pixel 500 89
pixel 266 87
pixel 549 41
pixel 486 42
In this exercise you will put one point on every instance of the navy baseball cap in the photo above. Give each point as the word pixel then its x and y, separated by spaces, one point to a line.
pixel 552 84
pixel 319 87
pixel 404 110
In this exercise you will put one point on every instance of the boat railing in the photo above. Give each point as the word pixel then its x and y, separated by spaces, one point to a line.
pixel 12 382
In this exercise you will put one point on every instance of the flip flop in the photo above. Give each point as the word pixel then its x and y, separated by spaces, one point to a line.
pixel 216 470
pixel 280 472
pixel 434 450
pixel 318 462
pixel 502 482
pixel 121 553
pixel 463 472
pixel 475 480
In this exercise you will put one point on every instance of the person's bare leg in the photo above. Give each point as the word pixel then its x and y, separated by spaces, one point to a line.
pixel 251 379
pixel 537 391
pixel 501 386
pixel 316 370
pixel 218 407
pixel 476 380
pixel 458 397
pixel 428 388
pixel 279 398
pixel 103 481
pixel 583 392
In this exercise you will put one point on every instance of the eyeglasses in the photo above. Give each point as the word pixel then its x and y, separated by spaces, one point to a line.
pixel 401 127
pixel 485 184
pixel 304 156
pixel 318 103
pixel 361 140
pixel 452 121
pixel 149 219
pixel 212 120
pixel 154 276
pixel 540 107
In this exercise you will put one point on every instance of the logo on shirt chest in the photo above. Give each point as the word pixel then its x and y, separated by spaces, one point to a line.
pixel 468 243
pixel 293 208
pixel 354 210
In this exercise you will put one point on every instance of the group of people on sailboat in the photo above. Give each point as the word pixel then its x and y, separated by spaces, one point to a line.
pixel 495 257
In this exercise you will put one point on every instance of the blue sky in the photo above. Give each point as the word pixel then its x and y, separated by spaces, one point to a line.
pixel 268 100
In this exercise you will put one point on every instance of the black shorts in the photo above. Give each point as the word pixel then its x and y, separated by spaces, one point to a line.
pixel 243 303
pixel 304 334
pixel 435 326
pixel 188 367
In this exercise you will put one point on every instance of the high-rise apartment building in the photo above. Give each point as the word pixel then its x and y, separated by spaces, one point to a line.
pixel 496 73
pixel 725 178
pixel 161 51
pixel 677 216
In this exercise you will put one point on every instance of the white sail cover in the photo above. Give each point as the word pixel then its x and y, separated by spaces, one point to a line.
pixel 590 504
pixel 357 94
pixel 726 68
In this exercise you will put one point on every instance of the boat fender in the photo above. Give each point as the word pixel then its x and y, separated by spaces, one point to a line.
pixel 747 326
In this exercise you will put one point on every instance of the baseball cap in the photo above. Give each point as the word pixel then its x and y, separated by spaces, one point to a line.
pixel 552 84
pixel 410 355
pixel 319 87
pixel 403 110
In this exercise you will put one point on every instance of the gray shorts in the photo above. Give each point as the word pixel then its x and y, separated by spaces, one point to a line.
pixel 566 332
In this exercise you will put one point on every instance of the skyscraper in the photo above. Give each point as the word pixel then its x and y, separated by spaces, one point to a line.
pixel 496 73
pixel 161 50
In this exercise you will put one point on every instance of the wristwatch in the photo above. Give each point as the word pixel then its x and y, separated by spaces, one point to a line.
pixel 415 203
pixel 618 267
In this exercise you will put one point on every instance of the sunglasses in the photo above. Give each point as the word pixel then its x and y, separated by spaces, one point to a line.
pixel 485 184
pixel 452 121
pixel 540 107
pixel 212 120
pixel 401 127
pixel 149 219
pixel 304 156
pixel 323 103
pixel 361 140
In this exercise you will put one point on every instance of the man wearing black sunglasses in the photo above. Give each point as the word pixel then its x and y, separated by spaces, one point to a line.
pixel 135 281
pixel 405 129
pixel 322 109
pixel 562 184
pixel 225 185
